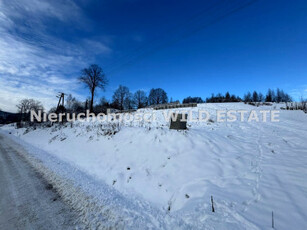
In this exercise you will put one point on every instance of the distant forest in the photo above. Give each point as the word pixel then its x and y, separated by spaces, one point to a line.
pixel 271 96
pixel 123 99
pixel 93 78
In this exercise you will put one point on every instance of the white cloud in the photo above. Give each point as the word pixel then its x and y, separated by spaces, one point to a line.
pixel 96 46
pixel 299 93
pixel 35 64
pixel 61 10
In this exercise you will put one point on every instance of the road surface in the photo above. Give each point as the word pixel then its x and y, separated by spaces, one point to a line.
pixel 26 200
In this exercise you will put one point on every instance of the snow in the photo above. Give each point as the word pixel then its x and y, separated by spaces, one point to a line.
pixel 27 201
pixel 250 168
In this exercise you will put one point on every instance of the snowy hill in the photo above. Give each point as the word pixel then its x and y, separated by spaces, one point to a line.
pixel 250 168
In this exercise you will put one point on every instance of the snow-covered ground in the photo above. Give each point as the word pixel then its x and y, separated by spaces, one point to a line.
pixel 250 168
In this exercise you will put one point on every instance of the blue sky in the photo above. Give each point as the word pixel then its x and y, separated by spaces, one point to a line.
pixel 180 46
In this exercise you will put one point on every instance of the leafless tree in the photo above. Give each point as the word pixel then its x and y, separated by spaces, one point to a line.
pixel 93 77
pixel 129 103
pixel 157 96
pixel 70 100
pixel 120 97
pixel 26 105
pixel 73 105
pixel 36 105
pixel 140 99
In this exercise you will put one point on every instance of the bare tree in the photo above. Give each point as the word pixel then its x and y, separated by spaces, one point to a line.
pixel 73 105
pixel 129 103
pixel 70 100
pixel 26 105
pixel 36 105
pixel 140 99
pixel 93 77
pixel 157 96
pixel 23 106
pixel 120 97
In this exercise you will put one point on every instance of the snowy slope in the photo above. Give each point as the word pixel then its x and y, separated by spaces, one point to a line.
pixel 250 168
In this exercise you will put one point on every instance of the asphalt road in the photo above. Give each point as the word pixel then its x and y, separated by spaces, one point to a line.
pixel 26 200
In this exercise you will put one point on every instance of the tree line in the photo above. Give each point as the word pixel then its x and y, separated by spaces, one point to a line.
pixel 277 95
pixel 219 98
pixel 93 78
pixel 272 96
pixel 122 99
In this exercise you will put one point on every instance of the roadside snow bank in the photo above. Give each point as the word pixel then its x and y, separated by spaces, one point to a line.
pixel 250 168
pixel 99 206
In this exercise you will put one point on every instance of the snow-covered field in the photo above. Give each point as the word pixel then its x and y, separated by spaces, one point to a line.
pixel 250 168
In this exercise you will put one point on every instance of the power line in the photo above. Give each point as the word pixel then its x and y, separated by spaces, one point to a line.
pixel 168 31
pixel 185 35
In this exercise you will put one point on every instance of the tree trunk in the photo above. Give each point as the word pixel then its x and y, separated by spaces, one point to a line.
pixel 92 101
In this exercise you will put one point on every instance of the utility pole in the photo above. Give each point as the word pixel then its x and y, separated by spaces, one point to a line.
pixel 61 101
